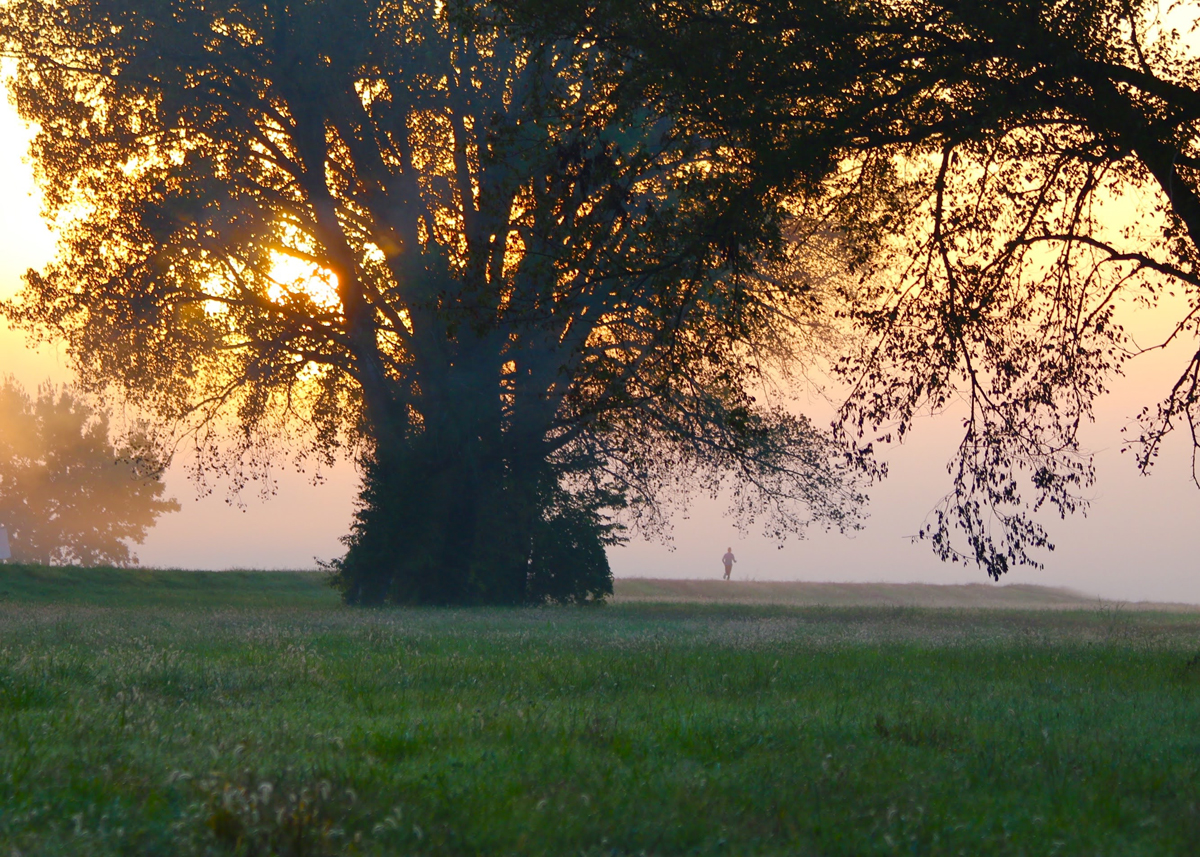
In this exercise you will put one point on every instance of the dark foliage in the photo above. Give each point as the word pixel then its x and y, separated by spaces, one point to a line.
pixel 527 539
pixel 1017 175
pixel 499 269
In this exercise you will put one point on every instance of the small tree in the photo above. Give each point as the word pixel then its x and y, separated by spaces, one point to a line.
pixel 67 495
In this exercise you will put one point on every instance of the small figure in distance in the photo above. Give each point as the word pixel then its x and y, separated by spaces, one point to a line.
pixel 729 561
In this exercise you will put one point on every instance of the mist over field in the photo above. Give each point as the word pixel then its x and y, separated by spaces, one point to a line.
pixel 1138 542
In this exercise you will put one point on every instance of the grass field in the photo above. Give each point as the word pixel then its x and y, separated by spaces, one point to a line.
pixel 809 594
pixel 157 713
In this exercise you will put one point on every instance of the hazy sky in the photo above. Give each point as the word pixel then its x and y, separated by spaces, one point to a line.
pixel 1140 540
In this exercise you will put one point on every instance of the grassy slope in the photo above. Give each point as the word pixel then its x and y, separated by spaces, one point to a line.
pixel 166 587
pixel 978 595
pixel 657 728
pixel 144 587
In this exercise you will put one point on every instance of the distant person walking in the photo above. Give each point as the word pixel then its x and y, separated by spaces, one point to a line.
pixel 729 561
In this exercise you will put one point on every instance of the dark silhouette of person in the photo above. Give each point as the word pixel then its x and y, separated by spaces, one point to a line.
pixel 729 561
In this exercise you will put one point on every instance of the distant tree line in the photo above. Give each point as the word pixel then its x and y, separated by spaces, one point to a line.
pixel 535 264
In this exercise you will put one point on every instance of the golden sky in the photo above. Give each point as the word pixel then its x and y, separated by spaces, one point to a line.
pixel 24 242
pixel 304 521
pixel 1141 540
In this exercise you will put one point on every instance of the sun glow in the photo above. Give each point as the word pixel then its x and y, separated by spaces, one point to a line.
pixel 292 278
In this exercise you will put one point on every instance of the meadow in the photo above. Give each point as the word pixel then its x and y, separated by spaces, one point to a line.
pixel 157 713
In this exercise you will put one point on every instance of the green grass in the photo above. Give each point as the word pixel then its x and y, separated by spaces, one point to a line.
pixel 812 594
pixel 147 587
pixel 310 728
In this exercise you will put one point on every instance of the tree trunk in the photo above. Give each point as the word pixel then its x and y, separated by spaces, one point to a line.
pixel 440 525
pixel 465 511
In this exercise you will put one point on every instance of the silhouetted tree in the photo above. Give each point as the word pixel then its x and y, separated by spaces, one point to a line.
pixel 1016 171
pixel 67 495
pixel 1058 189
pixel 497 267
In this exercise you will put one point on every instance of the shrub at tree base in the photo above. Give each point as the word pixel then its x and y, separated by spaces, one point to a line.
pixel 525 540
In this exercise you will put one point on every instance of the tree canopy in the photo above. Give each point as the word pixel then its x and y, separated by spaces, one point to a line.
pixel 1020 174
pixel 67 495
pixel 496 267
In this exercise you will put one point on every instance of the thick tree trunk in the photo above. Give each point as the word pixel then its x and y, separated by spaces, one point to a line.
pixel 442 517
pixel 470 523
pixel 441 525
pixel 466 509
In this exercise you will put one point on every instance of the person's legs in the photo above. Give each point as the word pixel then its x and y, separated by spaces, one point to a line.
pixel 728 569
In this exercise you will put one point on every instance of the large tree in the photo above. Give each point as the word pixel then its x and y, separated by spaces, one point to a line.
pixel 497 268
pixel 1022 172
pixel 68 496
